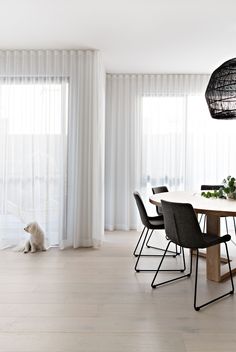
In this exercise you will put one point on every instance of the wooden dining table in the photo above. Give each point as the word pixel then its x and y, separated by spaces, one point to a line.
pixel 216 270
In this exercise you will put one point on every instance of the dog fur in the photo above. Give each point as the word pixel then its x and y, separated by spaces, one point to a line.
pixel 36 240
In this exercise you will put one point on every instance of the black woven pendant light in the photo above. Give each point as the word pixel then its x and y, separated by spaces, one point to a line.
pixel 221 91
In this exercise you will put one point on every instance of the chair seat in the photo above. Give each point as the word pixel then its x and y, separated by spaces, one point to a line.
pixel 156 218
pixel 211 240
pixel 156 222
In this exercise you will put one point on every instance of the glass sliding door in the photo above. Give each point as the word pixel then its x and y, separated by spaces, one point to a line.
pixel 33 156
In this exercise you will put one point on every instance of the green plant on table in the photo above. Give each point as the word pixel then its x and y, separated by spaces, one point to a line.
pixel 228 190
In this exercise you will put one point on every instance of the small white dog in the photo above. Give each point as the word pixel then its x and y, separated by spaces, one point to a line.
pixel 36 241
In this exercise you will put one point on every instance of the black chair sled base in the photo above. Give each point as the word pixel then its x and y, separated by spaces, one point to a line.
pixel 196 307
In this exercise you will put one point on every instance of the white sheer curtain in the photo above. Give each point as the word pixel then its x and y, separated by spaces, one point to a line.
pixel 159 132
pixel 210 146
pixel 183 147
pixel 51 148
pixel 33 148
pixel 123 150
pixel 163 142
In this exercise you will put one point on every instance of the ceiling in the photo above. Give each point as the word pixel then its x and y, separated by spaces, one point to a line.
pixel 134 36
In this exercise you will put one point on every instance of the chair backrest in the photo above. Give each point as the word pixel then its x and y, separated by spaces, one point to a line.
pixel 160 189
pixel 156 190
pixel 141 209
pixel 181 225
pixel 210 187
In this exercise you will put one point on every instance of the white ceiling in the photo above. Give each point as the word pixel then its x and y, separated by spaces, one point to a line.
pixel 134 36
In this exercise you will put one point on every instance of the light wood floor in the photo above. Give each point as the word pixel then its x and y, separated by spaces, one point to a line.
pixel 91 300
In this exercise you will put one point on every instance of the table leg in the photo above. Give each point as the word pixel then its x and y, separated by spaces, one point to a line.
pixel 213 253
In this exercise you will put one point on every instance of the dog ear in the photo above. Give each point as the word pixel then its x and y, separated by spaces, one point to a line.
pixel 34 227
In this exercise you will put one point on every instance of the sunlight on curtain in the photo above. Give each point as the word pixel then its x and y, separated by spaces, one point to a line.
pixel 154 150
pixel 183 147
pixel 33 144
pixel 210 146
pixel 163 141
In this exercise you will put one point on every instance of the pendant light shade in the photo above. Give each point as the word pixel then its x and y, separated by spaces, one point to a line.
pixel 221 91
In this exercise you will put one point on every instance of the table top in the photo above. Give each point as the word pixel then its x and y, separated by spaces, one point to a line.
pixel 211 206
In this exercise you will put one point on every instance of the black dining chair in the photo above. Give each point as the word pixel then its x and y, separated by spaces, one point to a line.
pixel 183 229
pixel 157 190
pixel 150 223
pixel 215 188
pixel 159 216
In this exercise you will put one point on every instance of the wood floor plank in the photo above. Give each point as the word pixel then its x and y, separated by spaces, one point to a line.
pixel 91 300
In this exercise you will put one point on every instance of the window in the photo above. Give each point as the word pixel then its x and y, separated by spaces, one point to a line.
pixel 164 141
pixel 183 147
pixel 19 102
pixel 33 125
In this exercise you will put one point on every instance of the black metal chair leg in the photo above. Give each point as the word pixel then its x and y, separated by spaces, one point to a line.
pixel 202 217
pixel 184 262
pixel 139 255
pixel 195 287
pixel 149 239
pixel 156 255
pixel 197 308
pixel 191 262
pixel 163 249
pixel 177 278
pixel 230 271
pixel 175 253
pixel 134 252
pixel 157 271
pixel 226 225
pixel 200 220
